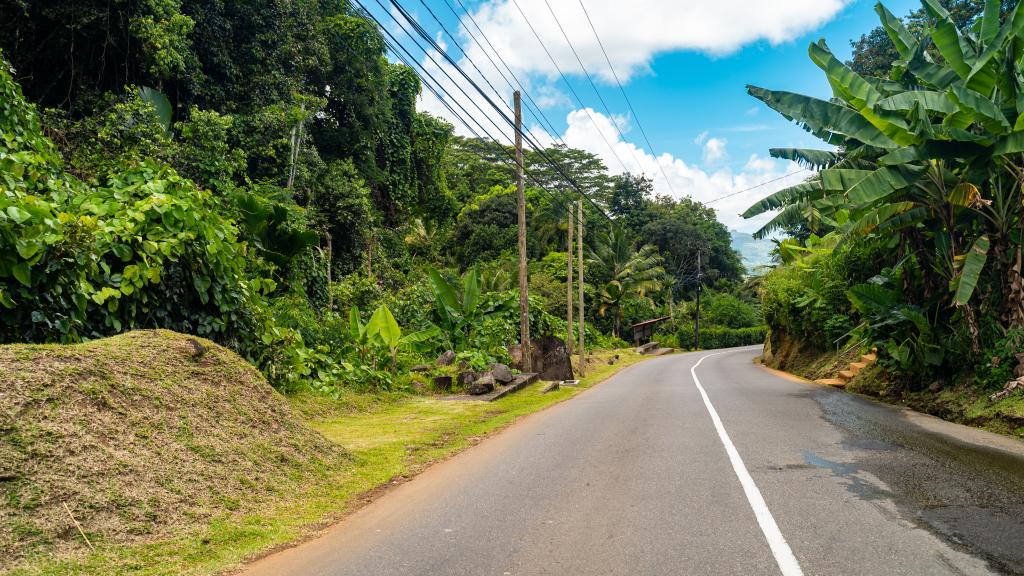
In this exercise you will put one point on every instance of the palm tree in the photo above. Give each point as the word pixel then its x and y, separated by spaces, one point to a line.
pixel 630 272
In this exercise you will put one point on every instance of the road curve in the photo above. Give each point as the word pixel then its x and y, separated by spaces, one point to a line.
pixel 647 475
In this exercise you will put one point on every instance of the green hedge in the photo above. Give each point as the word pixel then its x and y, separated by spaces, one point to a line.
pixel 719 337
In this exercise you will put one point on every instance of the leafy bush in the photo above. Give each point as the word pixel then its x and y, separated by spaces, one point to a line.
pixel 726 310
pixel 718 337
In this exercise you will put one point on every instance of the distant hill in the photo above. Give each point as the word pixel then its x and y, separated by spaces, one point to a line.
pixel 754 252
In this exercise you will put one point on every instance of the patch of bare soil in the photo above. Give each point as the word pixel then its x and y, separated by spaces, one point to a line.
pixel 140 435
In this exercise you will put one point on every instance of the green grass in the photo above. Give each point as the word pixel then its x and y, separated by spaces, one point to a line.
pixel 389 437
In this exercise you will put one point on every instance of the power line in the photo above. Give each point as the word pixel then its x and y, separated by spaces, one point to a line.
pixel 766 182
pixel 429 39
pixel 569 85
pixel 394 46
pixel 535 109
pixel 626 98
pixel 611 117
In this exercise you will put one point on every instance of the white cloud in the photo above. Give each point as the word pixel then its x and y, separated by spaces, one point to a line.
pixel 753 111
pixel 704 185
pixel 714 151
pixel 701 138
pixel 634 34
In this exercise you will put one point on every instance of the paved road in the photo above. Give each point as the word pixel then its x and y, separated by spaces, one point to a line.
pixel 745 473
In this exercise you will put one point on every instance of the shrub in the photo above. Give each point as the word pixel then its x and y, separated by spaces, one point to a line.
pixel 731 312
pixel 719 337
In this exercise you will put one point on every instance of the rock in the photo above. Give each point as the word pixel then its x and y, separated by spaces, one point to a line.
pixel 443 383
pixel 1020 357
pixel 446 358
pixel 465 378
pixel 481 385
pixel 420 368
pixel 502 373
pixel 516 352
pixel 1018 371
pixel 550 359
pixel 1010 388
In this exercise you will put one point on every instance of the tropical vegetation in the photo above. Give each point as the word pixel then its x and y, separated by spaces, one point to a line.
pixel 908 237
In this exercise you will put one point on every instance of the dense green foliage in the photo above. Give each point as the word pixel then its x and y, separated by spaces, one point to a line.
pixel 915 220
pixel 259 174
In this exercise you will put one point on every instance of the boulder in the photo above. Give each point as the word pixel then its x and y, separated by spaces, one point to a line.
pixel 481 385
pixel 1018 371
pixel 443 383
pixel 446 358
pixel 420 368
pixel 550 359
pixel 465 378
pixel 502 373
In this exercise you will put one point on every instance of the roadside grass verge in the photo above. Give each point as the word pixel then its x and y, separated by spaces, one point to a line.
pixel 389 438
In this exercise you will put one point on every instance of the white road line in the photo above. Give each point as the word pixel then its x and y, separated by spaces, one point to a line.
pixel 783 555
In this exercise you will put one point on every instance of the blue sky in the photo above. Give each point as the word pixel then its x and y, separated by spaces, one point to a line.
pixel 684 63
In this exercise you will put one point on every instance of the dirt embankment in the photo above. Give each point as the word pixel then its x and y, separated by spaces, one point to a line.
pixel 957 401
pixel 140 435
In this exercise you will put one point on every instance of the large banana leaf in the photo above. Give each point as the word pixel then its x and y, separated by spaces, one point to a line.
pixel 990 21
pixel 823 118
pixel 948 41
pixel 973 263
pixel 445 294
pixel 383 325
pixel 984 70
pixel 931 100
pixel 841 179
pixel 851 88
pixel 800 192
pixel 471 291
pixel 807 157
pixel 883 182
pixel 984 110
pixel 904 41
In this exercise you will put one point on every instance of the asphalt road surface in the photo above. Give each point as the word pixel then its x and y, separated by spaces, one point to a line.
pixel 697 464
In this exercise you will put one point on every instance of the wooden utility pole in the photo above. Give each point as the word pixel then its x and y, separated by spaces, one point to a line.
pixel 579 252
pixel 568 281
pixel 524 302
pixel 696 325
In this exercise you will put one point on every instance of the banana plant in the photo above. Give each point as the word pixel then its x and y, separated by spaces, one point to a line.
pixel 459 311
pixel 384 328
pixel 932 153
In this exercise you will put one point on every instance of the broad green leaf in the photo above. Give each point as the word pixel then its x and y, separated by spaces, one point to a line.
pixel 850 87
pixel 18 214
pixel 984 66
pixel 841 179
pixel 421 336
pixel 983 109
pixel 22 273
pixel 355 324
pixel 947 38
pixel 822 118
pixel 383 325
pixel 930 99
pixel 445 294
pixel 160 103
pixel 973 264
pixel 990 21
pixel 471 291
pixel 804 191
pixel 904 41
pixel 871 298
pixel 883 182
pixel 807 157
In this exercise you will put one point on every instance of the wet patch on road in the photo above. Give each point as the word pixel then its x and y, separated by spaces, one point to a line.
pixel 970 496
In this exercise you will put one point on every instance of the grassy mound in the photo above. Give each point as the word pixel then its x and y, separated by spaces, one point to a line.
pixel 140 435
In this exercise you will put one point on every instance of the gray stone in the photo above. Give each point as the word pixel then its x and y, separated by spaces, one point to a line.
pixel 502 373
pixel 1018 371
pixel 446 358
pixel 465 378
pixel 443 383
pixel 1020 357
pixel 420 368
pixel 550 359
pixel 481 385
